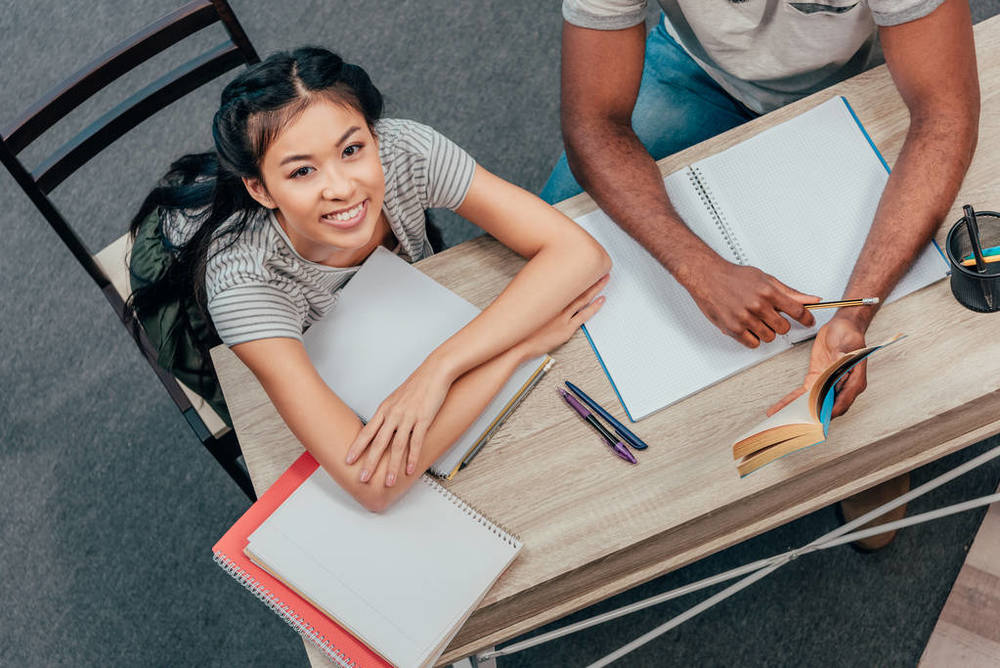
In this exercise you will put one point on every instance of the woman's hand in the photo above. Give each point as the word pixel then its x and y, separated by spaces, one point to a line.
pixel 557 331
pixel 834 340
pixel 402 420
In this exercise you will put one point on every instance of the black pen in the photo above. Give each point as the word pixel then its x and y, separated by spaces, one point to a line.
pixel 622 430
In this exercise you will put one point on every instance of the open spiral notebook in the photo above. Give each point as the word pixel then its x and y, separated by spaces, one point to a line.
pixel 366 588
pixel 796 201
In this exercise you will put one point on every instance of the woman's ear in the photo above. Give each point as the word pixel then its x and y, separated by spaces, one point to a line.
pixel 257 190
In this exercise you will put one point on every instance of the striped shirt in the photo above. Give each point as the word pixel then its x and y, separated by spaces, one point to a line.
pixel 259 287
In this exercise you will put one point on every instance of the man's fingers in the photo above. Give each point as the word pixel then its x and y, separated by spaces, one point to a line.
pixel 854 384
pixel 793 302
pixel 784 401
pixel 775 321
pixel 747 338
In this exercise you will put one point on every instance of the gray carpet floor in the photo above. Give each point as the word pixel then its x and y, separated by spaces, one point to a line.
pixel 110 506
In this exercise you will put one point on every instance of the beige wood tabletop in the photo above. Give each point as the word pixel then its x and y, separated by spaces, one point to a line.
pixel 593 525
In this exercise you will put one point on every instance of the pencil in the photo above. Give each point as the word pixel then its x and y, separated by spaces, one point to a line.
pixel 865 301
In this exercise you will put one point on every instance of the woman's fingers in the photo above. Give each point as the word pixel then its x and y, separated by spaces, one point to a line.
pixel 584 314
pixel 416 445
pixel 396 452
pixel 376 448
pixel 589 295
pixel 364 437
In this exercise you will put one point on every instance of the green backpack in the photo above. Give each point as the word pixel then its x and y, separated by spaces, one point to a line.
pixel 177 351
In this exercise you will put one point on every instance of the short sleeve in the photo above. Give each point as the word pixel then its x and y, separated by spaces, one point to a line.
pixel 895 12
pixel 449 172
pixel 604 14
pixel 255 310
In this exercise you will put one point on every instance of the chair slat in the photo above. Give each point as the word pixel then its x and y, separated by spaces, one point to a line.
pixel 137 108
pixel 97 74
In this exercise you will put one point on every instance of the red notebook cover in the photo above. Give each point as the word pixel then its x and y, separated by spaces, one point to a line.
pixel 332 639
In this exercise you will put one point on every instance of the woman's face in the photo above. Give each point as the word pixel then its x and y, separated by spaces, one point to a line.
pixel 323 175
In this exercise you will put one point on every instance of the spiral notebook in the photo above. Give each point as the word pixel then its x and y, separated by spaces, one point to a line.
pixel 366 588
pixel 796 200
pixel 385 322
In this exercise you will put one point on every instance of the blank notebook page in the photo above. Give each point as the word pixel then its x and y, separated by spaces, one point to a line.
pixel 402 580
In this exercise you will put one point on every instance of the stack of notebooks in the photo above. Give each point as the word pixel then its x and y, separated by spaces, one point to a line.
pixel 366 588
pixel 394 587
pixel 796 201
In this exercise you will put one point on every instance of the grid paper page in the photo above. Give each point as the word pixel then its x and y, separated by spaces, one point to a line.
pixel 652 338
pixel 801 198
pixel 401 580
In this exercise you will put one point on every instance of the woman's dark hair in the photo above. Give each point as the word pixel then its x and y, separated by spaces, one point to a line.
pixel 207 187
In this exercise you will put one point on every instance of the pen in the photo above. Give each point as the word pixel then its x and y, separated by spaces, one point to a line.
pixel 622 430
pixel 616 445
pixel 864 301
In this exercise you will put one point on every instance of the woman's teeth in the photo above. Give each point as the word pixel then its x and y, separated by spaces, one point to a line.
pixel 346 215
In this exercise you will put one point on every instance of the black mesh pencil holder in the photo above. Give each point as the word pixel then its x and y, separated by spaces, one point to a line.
pixel 976 289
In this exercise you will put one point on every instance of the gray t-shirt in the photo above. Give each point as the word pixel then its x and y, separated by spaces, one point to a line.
pixel 259 287
pixel 765 53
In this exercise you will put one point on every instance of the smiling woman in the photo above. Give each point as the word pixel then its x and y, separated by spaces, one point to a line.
pixel 251 243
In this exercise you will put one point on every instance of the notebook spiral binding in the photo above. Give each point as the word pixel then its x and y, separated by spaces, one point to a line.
pixel 283 611
pixel 705 194
pixel 496 528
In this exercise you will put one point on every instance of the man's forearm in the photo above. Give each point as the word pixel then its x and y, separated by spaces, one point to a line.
pixel 613 166
pixel 920 192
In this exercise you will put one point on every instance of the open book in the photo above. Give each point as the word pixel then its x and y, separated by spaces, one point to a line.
pixel 385 322
pixel 804 422
pixel 796 201
pixel 367 589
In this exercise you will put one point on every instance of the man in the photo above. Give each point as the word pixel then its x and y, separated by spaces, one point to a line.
pixel 712 64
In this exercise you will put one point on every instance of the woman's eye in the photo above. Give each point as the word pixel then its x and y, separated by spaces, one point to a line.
pixel 351 150
pixel 301 171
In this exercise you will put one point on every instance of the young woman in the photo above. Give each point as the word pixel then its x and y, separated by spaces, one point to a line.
pixel 306 181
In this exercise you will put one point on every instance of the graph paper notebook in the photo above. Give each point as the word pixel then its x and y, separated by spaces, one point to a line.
pixel 386 321
pixel 367 589
pixel 796 201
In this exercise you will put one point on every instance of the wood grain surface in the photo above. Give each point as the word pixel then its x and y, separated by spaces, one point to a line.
pixel 593 525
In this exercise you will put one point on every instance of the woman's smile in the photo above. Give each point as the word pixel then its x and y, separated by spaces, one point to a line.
pixel 345 219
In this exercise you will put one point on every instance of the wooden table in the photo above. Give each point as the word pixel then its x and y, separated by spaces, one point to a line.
pixel 546 477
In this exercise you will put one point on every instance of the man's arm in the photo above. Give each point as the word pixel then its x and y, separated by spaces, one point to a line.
pixel 933 64
pixel 601 72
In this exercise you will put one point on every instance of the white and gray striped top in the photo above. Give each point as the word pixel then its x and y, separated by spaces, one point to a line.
pixel 260 287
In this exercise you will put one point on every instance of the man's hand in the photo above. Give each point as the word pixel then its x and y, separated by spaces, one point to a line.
pixel 834 340
pixel 746 303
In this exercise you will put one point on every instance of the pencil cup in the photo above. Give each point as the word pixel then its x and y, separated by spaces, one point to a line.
pixel 976 283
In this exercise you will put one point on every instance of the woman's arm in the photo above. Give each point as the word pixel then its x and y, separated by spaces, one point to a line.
pixel 563 261
pixel 326 426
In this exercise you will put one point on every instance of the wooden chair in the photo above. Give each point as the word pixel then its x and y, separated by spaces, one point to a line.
pixel 108 268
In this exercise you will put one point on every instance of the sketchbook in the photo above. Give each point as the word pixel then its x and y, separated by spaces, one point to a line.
pixel 386 321
pixel 796 201
pixel 366 588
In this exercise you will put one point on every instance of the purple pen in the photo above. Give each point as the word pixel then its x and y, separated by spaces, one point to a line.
pixel 615 444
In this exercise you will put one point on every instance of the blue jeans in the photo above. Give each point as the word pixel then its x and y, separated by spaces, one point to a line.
pixel 678 106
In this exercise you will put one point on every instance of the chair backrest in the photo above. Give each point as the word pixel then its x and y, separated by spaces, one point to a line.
pixel 39 182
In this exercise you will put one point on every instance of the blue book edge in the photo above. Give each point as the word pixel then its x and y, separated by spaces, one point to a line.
pixel 607 373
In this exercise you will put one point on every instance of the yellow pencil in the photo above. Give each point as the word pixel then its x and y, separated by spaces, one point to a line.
pixel 865 301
